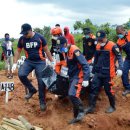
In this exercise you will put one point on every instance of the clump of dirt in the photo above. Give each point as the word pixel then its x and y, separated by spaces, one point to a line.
pixel 59 112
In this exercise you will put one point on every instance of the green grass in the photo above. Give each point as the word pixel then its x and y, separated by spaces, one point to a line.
pixel 78 43
pixel 2 64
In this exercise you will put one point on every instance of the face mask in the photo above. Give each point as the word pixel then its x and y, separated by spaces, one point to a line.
pixel 65 32
pixel 64 49
pixel 120 36
pixel 7 38
pixel 87 36
pixel 54 37
pixel 102 44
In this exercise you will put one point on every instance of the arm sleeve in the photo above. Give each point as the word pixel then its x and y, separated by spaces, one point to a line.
pixel 82 61
pixel 84 47
pixel 44 43
pixel 117 53
pixel 20 44
pixel 95 61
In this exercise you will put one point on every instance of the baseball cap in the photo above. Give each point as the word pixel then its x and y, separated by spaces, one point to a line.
pixel 58 25
pixel 86 31
pixel 100 34
pixel 25 28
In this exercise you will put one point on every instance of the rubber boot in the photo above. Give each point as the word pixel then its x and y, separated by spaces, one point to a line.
pixel 78 110
pixel 75 112
pixel 81 113
pixel 111 108
pixel 30 94
pixel 43 106
pixel 92 104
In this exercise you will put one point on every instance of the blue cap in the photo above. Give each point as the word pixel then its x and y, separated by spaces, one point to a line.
pixel 86 31
pixel 100 34
pixel 25 28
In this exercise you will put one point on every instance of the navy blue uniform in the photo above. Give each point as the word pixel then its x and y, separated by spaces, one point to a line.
pixel 104 71
pixel 78 70
pixel 125 45
pixel 35 60
pixel 33 47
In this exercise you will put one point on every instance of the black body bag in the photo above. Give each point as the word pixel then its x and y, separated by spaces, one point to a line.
pixel 55 84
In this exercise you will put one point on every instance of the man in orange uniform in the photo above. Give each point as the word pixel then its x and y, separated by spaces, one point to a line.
pixel 78 71
pixel 104 71
pixel 68 36
pixel 124 44
pixel 60 56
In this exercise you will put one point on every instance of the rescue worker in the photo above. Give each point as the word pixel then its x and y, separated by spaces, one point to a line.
pixel 60 57
pixel 69 36
pixel 89 46
pixel 104 71
pixel 35 47
pixel 78 71
pixel 55 32
pixel 124 43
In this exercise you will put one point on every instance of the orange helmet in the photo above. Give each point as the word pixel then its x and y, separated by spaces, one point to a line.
pixel 56 31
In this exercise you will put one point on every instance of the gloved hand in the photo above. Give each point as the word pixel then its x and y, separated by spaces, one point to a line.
pixel 53 64
pixel 85 83
pixel 119 72
pixel 14 67
pixel 92 60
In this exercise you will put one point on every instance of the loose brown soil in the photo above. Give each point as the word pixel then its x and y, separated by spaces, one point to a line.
pixel 59 112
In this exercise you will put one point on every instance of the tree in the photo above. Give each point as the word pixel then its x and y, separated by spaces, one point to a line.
pixel 110 31
pixel 87 23
pixel 127 25
pixel 12 39
pixel 78 26
pixel 45 31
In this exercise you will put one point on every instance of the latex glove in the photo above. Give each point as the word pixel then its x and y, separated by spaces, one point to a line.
pixel 119 72
pixel 14 67
pixel 85 83
pixel 53 64
pixel 92 60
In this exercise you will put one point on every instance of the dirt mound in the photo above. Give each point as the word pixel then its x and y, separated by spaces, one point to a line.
pixel 59 112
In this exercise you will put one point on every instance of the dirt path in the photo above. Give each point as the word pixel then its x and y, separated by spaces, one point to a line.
pixel 58 113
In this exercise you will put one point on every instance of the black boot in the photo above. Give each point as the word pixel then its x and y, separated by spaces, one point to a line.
pixel 75 111
pixel 43 106
pixel 30 94
pixel 81 113
pixel 111 108
pixel 92 103
pixel 78 111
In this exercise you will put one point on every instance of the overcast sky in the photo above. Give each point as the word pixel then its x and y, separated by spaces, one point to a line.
pixel 38 13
